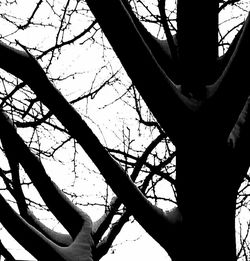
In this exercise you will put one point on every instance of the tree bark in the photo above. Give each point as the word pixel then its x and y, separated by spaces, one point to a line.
pixel 198 67
pixel 207 182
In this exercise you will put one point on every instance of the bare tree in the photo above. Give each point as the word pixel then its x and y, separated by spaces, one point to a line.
pixel 195 86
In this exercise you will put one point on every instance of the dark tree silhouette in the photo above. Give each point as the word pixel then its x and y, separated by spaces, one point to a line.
pixel 200 102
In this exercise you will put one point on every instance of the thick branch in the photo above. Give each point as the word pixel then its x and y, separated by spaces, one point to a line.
pixel 58 238
pixel 18 227
pixel 230 92
pixel 14 167
pixel 4 252
pixel 162 50
pixel 41 247
pixel 57 202
pixel 81 247
pixel 17 193
pixel 25 67
pixel 141 65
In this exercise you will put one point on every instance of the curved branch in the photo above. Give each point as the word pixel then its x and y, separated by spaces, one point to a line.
pixel 25 67
pixel 14 167
pixel 79 249
pixel 162 50
pixel 17 193
pixel 142 66
pixel 18 227
pixel 230 92
pixel 81 246
pixel 58 238
pixel 57 202
pixel 57 46
pixel 142 160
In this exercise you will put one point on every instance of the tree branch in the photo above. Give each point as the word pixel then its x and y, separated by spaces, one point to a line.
pixel 57 202
pixel 24 66
pixel 80 248
pixel 4 252
pixel 142 160
pixel 162 50
pixel 170 39
pixel 103 247
pixel 17 193
pixel 100 227
pixel 58 238
pixel 142 66
pixel 14 167
pixel 230 92
pixel 18 227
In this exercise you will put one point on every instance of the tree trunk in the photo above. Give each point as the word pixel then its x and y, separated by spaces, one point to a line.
pixel 207 183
